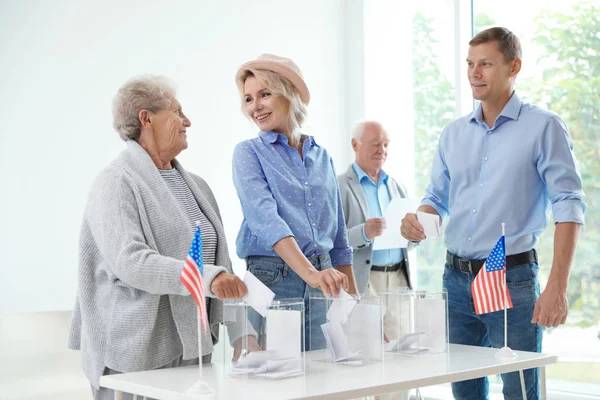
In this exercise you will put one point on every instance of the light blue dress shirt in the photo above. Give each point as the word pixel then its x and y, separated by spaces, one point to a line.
pixel 514 172
pixel 378 198
pixel 283 195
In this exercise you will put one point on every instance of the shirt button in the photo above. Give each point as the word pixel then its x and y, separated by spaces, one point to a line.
pixel 485 158
pixel 481 185
pixel 306 183
pixel 309 204
pixel 314 224
pixel 315 245
pixel 474 211
pixel 469 238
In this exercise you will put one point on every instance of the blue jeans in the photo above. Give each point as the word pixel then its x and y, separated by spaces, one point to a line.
pixel 487 330
pixel 286 284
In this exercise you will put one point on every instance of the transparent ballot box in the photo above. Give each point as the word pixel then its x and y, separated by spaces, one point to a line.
pixel 345 330
pixel 415 322
pixel 269 344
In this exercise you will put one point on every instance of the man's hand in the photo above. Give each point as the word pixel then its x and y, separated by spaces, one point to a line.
pixel 328 280
pixel 411 229
pixel 551 308
pixel 240 344
pixel 228 286
pixel 374 227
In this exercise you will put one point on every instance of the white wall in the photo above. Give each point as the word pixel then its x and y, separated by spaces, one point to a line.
pixel 388 81
pixel 62 62
pixel 388 87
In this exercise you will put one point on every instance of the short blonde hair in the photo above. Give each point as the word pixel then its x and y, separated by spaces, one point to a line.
pixel 279 85
pixel 145 92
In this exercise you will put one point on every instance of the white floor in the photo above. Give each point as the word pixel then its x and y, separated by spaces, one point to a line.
pixel 35 362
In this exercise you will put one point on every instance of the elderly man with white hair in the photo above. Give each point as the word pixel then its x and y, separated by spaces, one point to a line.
pixel 366 191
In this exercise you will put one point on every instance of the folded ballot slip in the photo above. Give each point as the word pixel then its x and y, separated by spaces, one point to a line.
pixel 430 223
pixel 259 296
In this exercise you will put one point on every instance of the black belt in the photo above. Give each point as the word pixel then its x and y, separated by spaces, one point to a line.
pixel 473 266
pixel 388 268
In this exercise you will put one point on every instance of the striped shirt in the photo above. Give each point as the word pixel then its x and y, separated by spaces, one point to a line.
pixel 186 200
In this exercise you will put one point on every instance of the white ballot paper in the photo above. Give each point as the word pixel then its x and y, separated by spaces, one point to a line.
pixel 255 359
pixel 283 368
pixel 431 317
pixel 348 323
pixel 406 343
pixel 337 344
pixel 259 296
pixel 340 310
pixel 393 214
pixel 336 340
pixel 364 330
pixel 430 223
pixel 284 332
pixel 267 364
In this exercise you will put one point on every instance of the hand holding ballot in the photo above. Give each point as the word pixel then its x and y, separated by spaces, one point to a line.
pixel 425 223
pixel 430 223
pixel 329 281
pixel 228 286
pixel 390 237
pixel 374 227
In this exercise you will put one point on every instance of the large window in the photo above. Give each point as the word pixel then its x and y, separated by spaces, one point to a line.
pixel 561 72
pixel 434 104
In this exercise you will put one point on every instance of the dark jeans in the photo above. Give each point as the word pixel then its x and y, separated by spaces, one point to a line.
pixel 488 329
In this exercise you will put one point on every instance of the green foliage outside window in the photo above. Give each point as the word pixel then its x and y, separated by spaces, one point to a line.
pixel 569 85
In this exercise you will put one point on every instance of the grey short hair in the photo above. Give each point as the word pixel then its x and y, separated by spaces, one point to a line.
pixel 279 85
pixel 360 127
pixel 144 92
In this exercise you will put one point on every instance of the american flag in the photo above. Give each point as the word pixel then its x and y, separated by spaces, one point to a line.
pixel 488 287
pixel 192 275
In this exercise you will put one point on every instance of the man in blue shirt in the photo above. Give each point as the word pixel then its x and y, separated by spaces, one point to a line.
pixel 510 162
pixel 366 191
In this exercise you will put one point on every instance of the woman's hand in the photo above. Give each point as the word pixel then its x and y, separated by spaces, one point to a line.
pixel 329 281
pixel 228 286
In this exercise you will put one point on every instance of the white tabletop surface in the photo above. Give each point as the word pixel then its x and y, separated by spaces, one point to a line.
pixel 322 380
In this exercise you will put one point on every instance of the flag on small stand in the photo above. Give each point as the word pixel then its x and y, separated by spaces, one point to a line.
pixel 489 287
pixel 192 276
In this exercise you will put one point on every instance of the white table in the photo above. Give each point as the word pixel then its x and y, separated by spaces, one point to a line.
pixel 325 381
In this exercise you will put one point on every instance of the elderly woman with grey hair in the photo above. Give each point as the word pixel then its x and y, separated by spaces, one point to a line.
pixel 131 312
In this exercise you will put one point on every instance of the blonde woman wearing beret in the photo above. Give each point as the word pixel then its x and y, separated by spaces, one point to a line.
pixel 293 236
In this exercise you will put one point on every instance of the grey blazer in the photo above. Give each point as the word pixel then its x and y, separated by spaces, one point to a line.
pixel 356 212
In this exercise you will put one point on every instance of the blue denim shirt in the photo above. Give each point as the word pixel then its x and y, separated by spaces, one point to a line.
pixel 514 172
pixel 282 195
pixel 378 198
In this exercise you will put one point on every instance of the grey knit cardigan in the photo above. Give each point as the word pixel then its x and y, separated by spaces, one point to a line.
pixel 131 311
